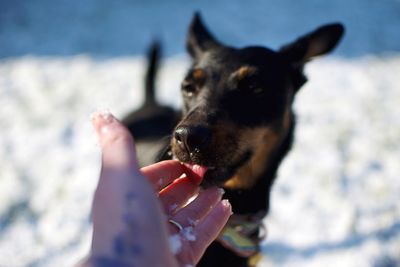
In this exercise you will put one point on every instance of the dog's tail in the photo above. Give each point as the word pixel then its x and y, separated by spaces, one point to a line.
pixel 153 59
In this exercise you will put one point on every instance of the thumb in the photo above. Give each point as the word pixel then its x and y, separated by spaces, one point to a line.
pixel 117 144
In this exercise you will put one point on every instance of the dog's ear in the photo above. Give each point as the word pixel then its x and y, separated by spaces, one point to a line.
pixel 199 39
pixel 315 43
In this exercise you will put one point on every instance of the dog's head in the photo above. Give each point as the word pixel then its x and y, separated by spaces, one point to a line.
pixel 237 102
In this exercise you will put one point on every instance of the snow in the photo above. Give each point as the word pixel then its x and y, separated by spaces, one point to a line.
pixel 188 234
pixel 192 222
pixel 336 199
pixel 175 243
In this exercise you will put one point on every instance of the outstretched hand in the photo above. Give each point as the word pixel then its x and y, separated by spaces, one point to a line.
pixel 141 216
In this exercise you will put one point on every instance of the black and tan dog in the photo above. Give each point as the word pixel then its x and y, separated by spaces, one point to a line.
pixel 237 121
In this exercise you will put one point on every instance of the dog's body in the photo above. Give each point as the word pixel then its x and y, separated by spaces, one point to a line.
pixel 238 122
pixel 152 123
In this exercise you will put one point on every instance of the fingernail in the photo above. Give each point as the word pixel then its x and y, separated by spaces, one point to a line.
pixel 100 120
pixel 103 115
pixel 221 191
pixel 226 204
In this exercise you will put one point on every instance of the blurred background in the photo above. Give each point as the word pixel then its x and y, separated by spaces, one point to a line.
pixel 336 199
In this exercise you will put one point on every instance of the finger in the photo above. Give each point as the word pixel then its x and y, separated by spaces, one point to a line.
pixel 163 173
pixel 116 142
pixel 196 210
pixel 118 163
pixel 177 194
pixel 118 158
pixel 208 229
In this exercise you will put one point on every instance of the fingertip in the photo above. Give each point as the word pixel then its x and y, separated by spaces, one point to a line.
pixel 227 207
pixel 211 226
pixel 221 211
pixel 115 140
pixel 108 128
pixel 194 172
pixel 101 120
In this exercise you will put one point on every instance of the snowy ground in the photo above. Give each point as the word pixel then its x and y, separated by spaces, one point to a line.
pixel 336 200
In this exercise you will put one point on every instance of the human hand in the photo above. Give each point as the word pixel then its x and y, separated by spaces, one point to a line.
pixel 130 219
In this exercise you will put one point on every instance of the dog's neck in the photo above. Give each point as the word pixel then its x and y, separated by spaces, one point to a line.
pixel 250 200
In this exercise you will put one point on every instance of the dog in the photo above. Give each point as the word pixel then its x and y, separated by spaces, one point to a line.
pixel 237 122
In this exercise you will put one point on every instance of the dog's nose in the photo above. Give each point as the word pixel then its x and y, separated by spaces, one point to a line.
pixel 193 138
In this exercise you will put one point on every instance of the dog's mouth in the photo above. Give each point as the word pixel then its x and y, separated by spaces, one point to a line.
pixel 218 175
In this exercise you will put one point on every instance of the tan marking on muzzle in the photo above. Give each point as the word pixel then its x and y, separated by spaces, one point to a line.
pixel 264 142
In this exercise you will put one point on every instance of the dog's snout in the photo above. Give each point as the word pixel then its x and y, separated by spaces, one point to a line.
pixel 193 138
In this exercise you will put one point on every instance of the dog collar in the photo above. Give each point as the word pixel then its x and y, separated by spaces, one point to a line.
pixel 243 234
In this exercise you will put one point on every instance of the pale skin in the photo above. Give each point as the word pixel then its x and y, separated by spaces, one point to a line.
pixel 132 206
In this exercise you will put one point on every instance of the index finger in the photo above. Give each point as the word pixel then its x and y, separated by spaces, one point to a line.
pixel 163 173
